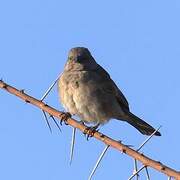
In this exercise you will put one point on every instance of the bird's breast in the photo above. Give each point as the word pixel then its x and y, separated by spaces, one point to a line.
pixel 81 94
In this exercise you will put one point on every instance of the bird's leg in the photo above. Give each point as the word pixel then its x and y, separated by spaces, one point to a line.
pixel 89 131
pixel 64 117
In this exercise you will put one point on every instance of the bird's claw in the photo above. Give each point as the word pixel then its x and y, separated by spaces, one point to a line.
pixel 64 117
pixel 89 131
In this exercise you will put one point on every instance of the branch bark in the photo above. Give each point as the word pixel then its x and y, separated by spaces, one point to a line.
pixel 146 161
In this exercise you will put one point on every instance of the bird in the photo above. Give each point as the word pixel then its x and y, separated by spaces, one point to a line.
pixel 87 90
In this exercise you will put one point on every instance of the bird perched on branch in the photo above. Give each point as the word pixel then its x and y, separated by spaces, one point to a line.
pixel 88 91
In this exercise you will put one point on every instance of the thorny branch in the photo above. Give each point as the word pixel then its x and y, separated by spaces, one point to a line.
pixel 146 161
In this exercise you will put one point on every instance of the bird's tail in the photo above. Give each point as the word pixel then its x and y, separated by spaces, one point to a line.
pixel 141 125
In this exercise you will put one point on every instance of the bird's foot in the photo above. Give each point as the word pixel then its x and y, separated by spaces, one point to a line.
pixel 89 131
pixel 64 117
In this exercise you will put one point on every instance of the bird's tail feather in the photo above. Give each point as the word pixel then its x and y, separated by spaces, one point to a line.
pixel 141 125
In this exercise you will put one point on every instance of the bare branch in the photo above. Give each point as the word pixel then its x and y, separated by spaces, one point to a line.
pixel 146 161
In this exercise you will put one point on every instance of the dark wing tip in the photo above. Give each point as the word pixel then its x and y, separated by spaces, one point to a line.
pixel 157 133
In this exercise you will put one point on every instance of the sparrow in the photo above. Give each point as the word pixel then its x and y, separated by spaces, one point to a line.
pixel 87 90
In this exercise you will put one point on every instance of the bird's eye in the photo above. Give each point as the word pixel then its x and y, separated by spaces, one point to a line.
pixel 70 58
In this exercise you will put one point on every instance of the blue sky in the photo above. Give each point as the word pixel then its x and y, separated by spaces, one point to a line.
pixel 137 42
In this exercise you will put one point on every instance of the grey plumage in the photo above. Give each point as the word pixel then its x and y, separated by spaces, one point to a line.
pixel 88 91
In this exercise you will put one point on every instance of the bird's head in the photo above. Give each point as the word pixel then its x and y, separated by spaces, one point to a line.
pixel 79 58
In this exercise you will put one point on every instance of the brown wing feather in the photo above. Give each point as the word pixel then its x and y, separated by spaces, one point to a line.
pixel 121 98
pixel 112 88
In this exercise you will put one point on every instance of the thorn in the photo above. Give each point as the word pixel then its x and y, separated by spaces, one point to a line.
pixel 144 143
pixel 51 116
pixel 72 145
pixel 135 169
pixel 47 122
pixel 98 162
pixel 49 89
pixel 129 145
pixel 147 173
pixel 137 172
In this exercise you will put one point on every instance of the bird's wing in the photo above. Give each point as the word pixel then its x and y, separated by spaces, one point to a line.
pixel 120 97
pixel 112 88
